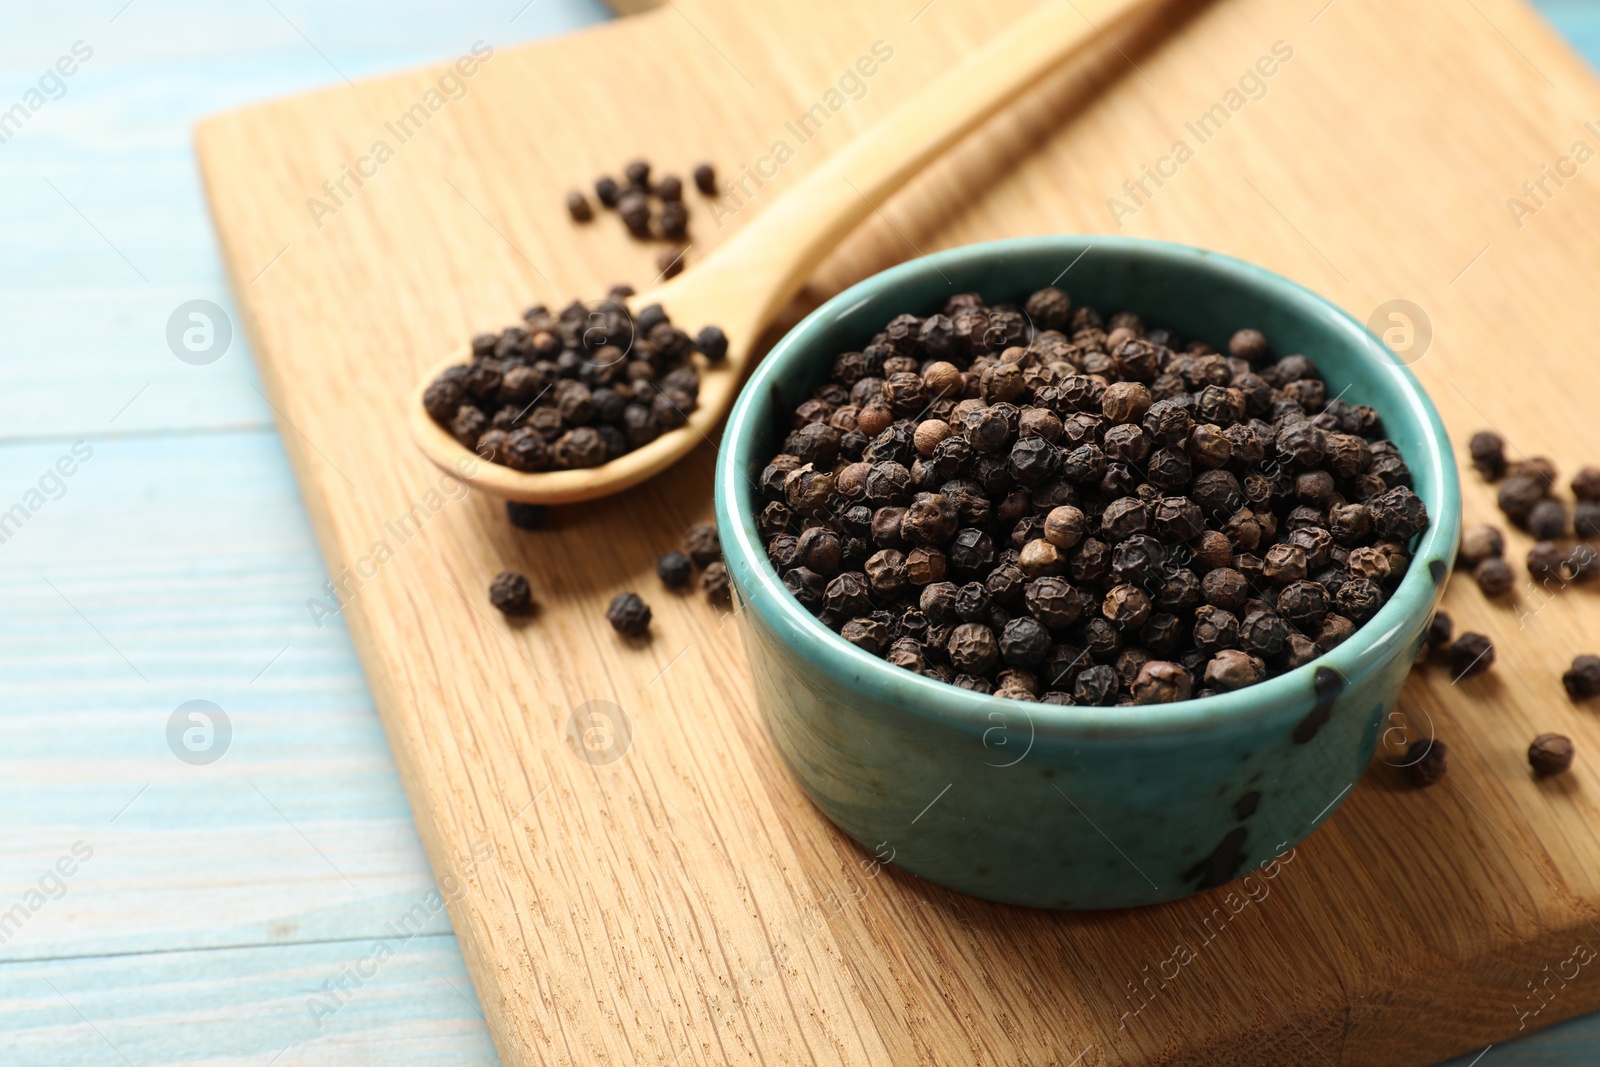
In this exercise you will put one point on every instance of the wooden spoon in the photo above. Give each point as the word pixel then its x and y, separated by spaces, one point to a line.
pixel 745 283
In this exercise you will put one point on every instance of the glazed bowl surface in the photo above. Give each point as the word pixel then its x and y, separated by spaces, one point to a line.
pixel 1064 806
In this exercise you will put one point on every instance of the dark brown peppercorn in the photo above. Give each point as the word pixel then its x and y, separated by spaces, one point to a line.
pixel 1488 451
pixel 607 191
pixel 714 583
pixel 1550 754
pixel 700 541
pixel 1544 561
pixel 867 634
pixel 578 207
pixel 972 648
pixel 1426 762
pixel 1096 686
pixel 633 207
pixel 1517 496
pixel 1303 604
pixel 675 570
pixel 1471 654
pixel 1399 514
pixel 511 594
pixel 705 179
pixel 629 615
pixel 712 343
pixel 1582 679
pixel 1586 519
pixel 1548 520
pixel 526 516
pixel 1440 630
pixel 1493 576
pixel 669 262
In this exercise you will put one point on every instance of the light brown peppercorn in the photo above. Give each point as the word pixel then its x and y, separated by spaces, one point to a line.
pixel 1368 562
pixel 1162 682
pixel 924 565
pixel 1039 557
pixel 929 433
pixel 1479 543
pixel 1064 526
pixel 1249 345
pixel 1550 754
pixel 1125 402
pixel 874 418
pixel 1232 669
pixel 1285 562
pixel 1213 549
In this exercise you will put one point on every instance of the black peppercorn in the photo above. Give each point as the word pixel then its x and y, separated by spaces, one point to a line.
pixel 526 516
pixel 1426 762
pixel 1518 495
pixel 1440 629
pixel 1493 576
pixel 1488 451
pixel 511 593
pixel 1548 520
pixel 1582 679
pixel 1096 686
pixel 1470 654
pixel 629 615
pixel 715 584
pixel 675 570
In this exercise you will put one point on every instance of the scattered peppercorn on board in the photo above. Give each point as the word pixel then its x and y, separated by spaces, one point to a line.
pixel 684 903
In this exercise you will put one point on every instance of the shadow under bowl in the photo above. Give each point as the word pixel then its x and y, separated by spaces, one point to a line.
pixel 1079 807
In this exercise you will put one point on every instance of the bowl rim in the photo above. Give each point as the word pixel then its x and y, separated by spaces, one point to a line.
pixel 763 591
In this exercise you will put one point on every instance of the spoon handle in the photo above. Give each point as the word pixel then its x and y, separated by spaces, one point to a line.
pixel 768 261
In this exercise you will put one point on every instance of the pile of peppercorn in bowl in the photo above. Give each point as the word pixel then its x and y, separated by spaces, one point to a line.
pixel 1082 600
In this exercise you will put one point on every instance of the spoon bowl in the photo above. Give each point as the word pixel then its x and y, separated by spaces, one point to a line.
pixel 744 284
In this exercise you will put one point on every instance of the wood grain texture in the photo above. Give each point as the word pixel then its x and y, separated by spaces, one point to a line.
pixel 333 1004
pixel 183 541
pixel 685 904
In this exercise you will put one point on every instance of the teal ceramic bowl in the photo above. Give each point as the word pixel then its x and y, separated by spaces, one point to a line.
pixel 1077 807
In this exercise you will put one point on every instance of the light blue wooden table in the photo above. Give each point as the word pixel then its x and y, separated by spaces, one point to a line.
pixel 273 906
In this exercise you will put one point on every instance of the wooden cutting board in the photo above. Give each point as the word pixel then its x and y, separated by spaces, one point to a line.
pixel 685 904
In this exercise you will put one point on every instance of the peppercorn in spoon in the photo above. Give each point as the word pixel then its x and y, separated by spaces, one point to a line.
pixel 745 283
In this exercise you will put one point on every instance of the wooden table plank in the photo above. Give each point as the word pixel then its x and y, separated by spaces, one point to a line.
pixel 187 555
pixel 339 1004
